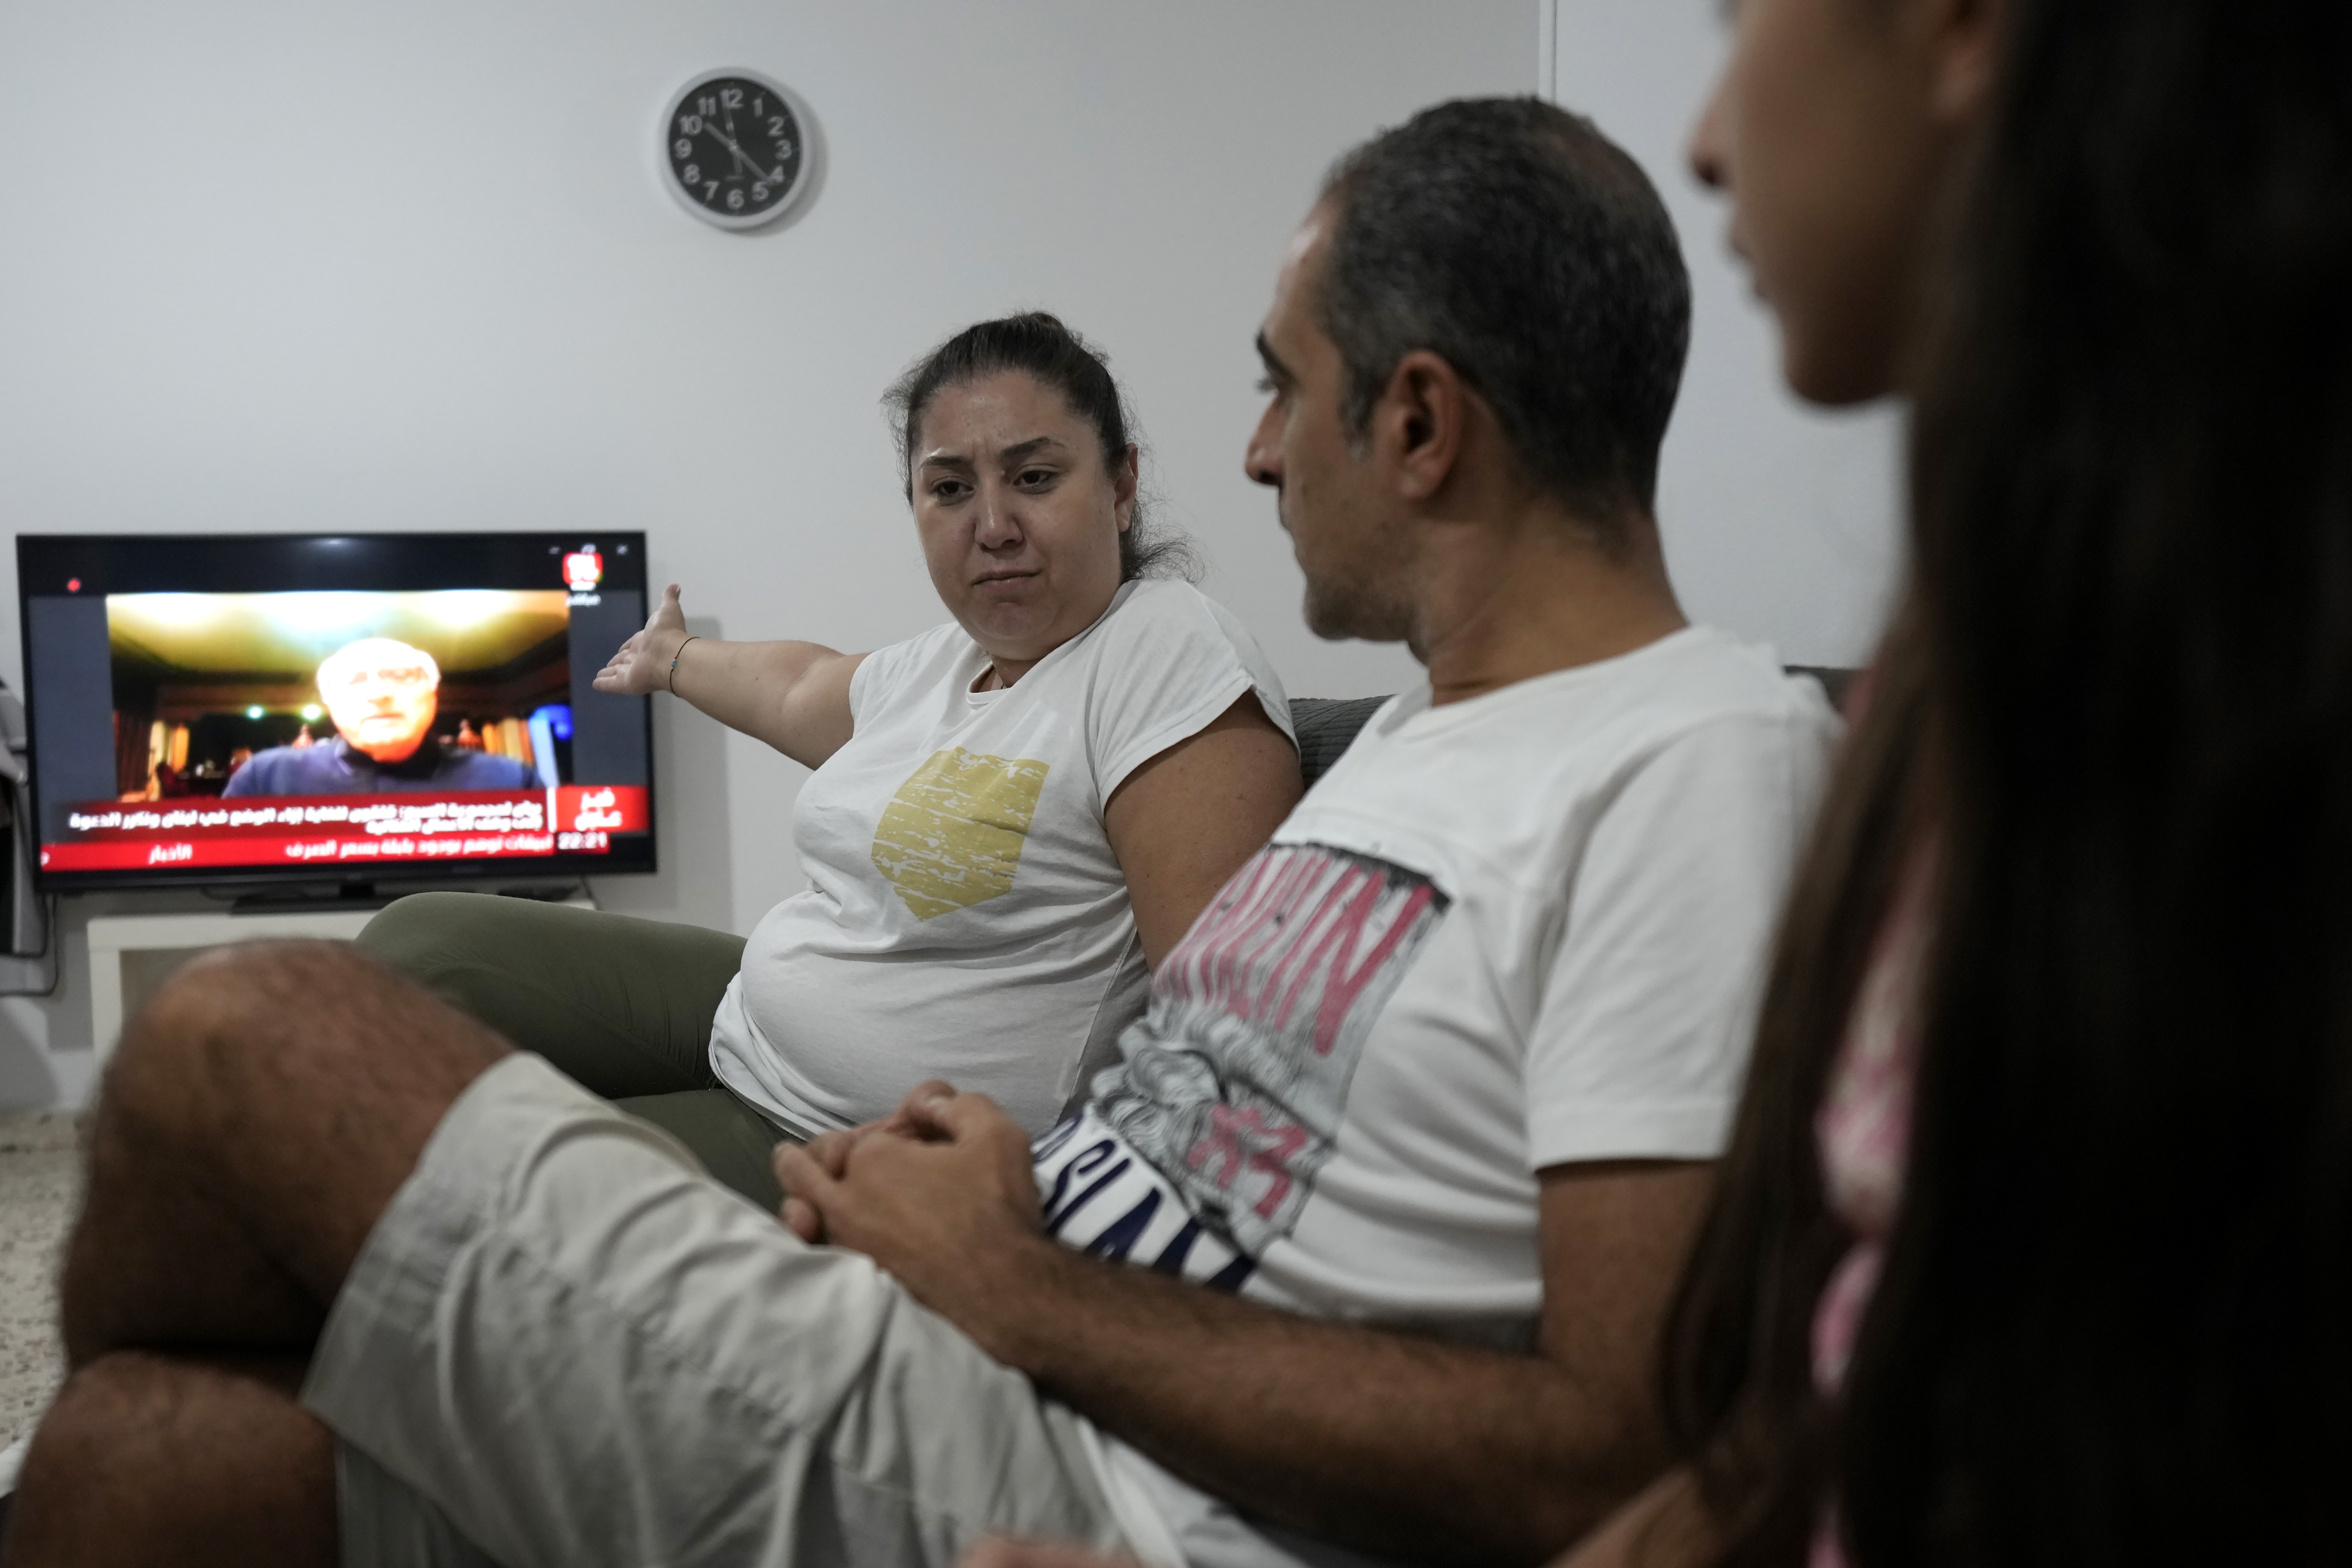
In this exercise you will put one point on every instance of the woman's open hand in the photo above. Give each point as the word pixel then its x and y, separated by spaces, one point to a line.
pixel 642 665
pixel 793 695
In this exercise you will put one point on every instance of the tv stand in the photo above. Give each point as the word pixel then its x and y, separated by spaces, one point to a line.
pixel 130 955
pixel 327 898
pixel 319 897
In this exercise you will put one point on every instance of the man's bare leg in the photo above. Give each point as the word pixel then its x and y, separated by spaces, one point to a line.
pixel 259 1116
pixel 148 1459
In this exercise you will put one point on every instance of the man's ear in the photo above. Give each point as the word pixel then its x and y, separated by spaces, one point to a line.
pixel 1417 426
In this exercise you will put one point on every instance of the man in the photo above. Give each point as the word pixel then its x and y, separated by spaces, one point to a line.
pixel 384 696
pixel 1364 1246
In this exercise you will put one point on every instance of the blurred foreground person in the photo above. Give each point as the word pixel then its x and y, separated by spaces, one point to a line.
pixel 2034 1245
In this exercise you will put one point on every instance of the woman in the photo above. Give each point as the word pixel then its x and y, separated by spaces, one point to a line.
pixel 2034 1243
pixel 1011 814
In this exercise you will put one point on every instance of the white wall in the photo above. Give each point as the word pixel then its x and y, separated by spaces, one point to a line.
pixel 1780 521
pixel 287 264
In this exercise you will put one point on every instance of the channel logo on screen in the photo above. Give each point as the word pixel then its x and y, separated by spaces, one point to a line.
pixel 582 569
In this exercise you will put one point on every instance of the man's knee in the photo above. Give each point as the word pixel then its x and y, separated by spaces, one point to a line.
pixel 149 1458
pixel 292 1083
pixel 191 1031
pixel 219 1027
pixel 106 1411
pixel 244 1019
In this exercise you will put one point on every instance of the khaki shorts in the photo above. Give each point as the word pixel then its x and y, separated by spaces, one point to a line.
pixel 564 1344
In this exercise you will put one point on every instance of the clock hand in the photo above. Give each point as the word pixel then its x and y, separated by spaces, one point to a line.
pixel 741 163
pixel 727 140
pixel 742 158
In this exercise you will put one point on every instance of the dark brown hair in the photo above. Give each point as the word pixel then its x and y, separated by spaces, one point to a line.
pixel 2114 1323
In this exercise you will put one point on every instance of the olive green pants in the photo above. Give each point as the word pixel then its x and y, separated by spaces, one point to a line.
pixel 620 1006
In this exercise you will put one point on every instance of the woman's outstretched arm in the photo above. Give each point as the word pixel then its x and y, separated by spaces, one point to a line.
pixel 793 695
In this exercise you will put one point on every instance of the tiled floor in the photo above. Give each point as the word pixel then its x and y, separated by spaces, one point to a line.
pixel 40 1173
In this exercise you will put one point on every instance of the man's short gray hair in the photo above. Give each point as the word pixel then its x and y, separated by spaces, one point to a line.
pixel 1513 240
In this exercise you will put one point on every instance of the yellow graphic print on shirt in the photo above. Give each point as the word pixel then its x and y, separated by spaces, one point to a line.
pixel 951 837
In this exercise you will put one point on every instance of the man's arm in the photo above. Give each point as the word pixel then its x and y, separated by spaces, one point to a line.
pixel 1393 1442
pixel 793 695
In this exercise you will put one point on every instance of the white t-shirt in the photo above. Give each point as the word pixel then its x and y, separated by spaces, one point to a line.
pixel 1522 931
pixel 965 917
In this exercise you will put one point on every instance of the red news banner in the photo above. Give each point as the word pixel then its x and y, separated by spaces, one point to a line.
pixel 248 832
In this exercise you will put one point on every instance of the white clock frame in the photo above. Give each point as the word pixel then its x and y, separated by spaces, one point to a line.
pixel 803 177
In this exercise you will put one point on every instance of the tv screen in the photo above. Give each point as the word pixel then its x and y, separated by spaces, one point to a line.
pixel 333 707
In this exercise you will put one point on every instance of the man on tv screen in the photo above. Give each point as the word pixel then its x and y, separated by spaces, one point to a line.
pixel 384 696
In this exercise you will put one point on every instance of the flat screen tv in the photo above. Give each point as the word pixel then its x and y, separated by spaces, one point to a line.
pixel 332 709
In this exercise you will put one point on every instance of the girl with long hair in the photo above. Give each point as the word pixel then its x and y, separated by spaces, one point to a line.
pixel 2035 1242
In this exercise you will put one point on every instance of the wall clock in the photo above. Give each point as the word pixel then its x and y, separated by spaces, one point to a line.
pixel 735 146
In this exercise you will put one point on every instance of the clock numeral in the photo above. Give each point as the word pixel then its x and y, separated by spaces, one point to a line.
pixel 731 111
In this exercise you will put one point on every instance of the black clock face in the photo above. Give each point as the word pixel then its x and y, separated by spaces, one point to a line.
pixel 735 149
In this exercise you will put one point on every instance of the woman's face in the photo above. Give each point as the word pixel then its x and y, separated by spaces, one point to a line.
pixel 1832 131
pixel 1019 517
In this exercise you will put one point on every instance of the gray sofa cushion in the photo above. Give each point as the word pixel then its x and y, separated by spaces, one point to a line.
pixel 1325 726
